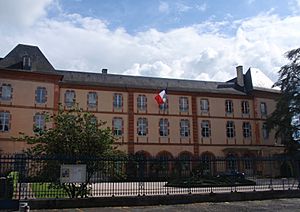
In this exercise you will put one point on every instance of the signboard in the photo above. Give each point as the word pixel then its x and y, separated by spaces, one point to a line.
pixel 73 173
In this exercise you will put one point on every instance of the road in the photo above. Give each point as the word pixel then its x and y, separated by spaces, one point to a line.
pixel 282 205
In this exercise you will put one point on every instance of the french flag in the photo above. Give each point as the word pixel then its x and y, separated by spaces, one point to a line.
pixel 161 98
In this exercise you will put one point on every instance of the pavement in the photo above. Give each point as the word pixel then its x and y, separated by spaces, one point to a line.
pixel 282 205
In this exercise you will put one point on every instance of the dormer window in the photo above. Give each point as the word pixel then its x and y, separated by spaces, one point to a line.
pixel 26 62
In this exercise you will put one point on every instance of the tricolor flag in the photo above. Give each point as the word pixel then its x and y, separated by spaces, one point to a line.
pixel 161 98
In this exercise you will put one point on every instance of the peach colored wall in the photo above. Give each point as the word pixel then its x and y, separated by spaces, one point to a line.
pixel 24 92
pixel 105 99
pixel 24 108
pixel 217 107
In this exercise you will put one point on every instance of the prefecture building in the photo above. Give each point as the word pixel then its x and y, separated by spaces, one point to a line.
pixel 199 118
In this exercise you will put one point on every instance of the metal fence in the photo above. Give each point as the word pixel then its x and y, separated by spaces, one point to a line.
pixel 34 178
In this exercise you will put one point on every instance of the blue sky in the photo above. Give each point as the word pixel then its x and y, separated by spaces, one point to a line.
pixel 137 15
pixel 189 39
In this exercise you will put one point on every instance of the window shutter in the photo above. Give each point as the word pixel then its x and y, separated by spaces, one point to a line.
pixel 145 102
pixel 122 100
pixel 11 91
pixel 10 118
pixel 45 96
pixel 207 105
pixel 146 121
pixel 36 94
pixel 122 121
pixel 137 126
pixel 74 99
pixel 113 125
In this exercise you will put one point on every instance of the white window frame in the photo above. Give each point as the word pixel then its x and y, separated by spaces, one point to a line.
pixel 4 121
pixel 230 129
pixel 92 99
pixel 228 106
pixel 183 104
pixel 6 92
pixel 118 126
pixel 69 98
pixel 263 109
pixel 40 95
pixel 205 128
pixel 141 102
pixel 163 127
pixel 39 120
pixel 118 97
pixel 204 105
pixel 265 131
pixel 245 107
pixel 142 125
pixel 247 133
pixel 184 128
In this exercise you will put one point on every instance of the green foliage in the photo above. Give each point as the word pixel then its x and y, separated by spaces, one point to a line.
pixel 76 138
pixel 288 104
pixel 75 134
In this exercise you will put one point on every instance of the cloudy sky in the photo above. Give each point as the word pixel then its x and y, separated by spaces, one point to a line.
pixel 189 39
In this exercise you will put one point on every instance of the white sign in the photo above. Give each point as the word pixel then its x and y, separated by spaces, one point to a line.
pixel 73 173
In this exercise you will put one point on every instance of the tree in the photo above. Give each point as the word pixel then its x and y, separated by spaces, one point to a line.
pixel 75 138
pixel 284 118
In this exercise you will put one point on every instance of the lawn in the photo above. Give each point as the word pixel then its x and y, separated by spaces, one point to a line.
pixel 46 190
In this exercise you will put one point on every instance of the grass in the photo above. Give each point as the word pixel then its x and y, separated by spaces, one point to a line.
pixel 47 190
pixel 209 181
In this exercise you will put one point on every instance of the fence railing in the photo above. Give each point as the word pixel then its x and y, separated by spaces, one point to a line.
pixel 33 178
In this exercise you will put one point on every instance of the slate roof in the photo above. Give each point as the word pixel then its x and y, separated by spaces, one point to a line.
pixel 126 81
pixel 14 59
pixel 39 63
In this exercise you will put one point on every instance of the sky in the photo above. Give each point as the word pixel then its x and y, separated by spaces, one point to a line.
pixel 186 39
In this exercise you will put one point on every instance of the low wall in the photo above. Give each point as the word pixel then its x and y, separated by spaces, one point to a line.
pixel 160 199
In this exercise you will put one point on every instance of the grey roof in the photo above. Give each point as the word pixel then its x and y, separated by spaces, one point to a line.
pixel 126 81
pixel 14 59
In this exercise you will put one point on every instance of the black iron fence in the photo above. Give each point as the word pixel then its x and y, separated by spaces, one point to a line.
pixel 59 177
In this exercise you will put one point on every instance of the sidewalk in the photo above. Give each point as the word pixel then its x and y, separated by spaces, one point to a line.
pixel 285 205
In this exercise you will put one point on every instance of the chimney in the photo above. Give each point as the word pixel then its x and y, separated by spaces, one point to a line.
pixel 104 71
pixel 240 76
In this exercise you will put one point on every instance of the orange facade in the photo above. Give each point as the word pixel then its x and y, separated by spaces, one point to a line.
pixel 194 122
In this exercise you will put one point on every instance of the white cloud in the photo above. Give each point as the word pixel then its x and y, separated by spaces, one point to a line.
pixel 182 7
pixel 201 51
pixel 17 13
pixel 163 7
pixel 201 7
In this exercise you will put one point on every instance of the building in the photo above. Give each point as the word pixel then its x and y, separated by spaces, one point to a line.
pixel 200 118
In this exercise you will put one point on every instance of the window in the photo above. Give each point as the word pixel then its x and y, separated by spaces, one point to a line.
pixel 204 105
pixel 245 107
pixel 92 99
pixel 265 131
pixel 93 120
pixel 142 126
pixel 163 127
pixel 118 126
pixel 118 100
pixel 70 98
pixel 230 129
pixel 246 129
pixel 183 104
pixel 228 106
pixel 6 92
pixel 184 128
pixel 4 121
pixel 205 128
pixel 164 106
pixel 40 95
pixel 26 63
pixel 39 121
pixel 263 108
pixel 141 102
